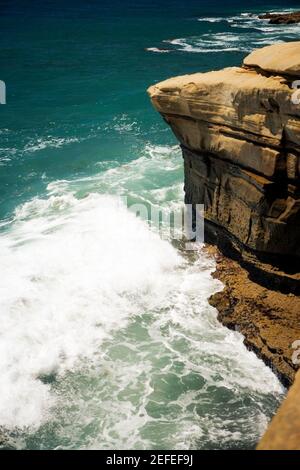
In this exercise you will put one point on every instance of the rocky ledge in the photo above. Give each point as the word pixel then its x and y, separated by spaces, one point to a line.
pixel 268 319
pixel 282 18
pixel 284 430
pixel 239 129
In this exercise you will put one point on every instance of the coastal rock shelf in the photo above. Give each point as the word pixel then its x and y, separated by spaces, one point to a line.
pixel 240 135
pixel 282 18
pixel 239 130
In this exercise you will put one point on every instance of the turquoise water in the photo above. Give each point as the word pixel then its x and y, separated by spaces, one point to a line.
pixel 107 337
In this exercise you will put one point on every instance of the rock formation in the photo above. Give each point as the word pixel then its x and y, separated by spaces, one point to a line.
pixel 282 18
pixel 279 59
pixel 240 134
pixel 284 430
pixel 239 129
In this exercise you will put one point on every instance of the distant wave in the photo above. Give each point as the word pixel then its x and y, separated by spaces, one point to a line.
pixel 4 160
pixel 212 20
pixel 48 142
pixel 205 44
pixel 247 32
pixel 157 50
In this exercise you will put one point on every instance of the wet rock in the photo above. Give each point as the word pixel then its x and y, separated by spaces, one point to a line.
pixel 281 18
pixel 268 319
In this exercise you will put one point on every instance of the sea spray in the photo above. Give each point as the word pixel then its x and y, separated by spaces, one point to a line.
pixel 106 325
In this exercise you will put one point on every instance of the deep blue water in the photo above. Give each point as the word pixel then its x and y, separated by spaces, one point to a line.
pixel 107 338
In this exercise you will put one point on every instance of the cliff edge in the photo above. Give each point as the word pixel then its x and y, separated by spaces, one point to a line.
pixel 239 130
pixel 284 430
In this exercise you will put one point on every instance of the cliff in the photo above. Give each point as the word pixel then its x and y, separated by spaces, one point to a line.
pixel 284 430
pixel 239 129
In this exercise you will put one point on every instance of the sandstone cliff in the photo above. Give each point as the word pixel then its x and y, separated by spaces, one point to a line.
pixel 240 133
pixel 239 129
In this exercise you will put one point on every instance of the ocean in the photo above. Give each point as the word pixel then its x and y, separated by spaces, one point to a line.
pixel 107 338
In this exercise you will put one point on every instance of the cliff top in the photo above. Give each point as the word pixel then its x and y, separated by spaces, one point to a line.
pixel 234 77
pixel 282 58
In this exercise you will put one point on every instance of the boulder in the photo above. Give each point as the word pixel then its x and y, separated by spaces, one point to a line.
pixel 281 59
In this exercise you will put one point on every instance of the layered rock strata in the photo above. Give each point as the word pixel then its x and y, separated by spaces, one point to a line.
pixel 240 134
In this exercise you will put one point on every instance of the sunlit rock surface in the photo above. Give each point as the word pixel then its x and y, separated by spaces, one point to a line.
pixel 240 134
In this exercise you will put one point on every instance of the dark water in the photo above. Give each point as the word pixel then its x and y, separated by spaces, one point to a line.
pixel 108 340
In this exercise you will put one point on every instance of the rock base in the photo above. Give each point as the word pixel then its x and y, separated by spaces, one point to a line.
pixel 268 319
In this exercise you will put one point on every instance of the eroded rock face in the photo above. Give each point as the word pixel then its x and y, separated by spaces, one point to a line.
pixel 240 134
pixel 256 210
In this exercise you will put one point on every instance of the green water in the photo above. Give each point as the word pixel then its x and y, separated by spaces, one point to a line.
pixel 107 337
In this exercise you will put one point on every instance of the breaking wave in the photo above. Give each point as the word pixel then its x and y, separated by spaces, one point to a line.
pixel 107 337
pixel 242 33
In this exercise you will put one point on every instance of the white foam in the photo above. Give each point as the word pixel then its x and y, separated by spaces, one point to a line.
pixel 48 142
pixel 207 44
pixel 76 272
pixel 4 160
pixel 118 407
pixel 72 270
pixel 211 19
pixel 253 31
pixel 156 49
